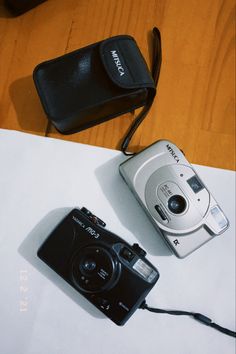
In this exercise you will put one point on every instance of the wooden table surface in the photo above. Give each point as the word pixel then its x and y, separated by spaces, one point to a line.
pixel 195 102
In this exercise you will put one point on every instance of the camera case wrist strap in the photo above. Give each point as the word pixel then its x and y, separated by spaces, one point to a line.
pixel 96 83
pixel 156 67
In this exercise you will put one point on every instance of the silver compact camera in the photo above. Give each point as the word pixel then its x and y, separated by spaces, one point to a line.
pixel 174 197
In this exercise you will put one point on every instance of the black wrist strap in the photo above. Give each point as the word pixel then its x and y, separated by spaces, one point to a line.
pixel 197 316
pixel 156 66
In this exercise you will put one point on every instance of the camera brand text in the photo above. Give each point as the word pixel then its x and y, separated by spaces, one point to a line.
pixel 88 229
pixel 169 148
pixel 116 59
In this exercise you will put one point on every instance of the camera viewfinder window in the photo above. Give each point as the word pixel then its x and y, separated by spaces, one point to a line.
pixel 195 184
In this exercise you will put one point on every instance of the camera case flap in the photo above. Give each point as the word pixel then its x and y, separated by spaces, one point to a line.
pixel 111 274
pixel 93 84
pixel 174 197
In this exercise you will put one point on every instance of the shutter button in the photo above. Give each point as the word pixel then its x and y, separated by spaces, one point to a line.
pixel 139 250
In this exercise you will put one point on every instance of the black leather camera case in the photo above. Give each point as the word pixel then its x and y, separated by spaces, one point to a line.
pixel 94 84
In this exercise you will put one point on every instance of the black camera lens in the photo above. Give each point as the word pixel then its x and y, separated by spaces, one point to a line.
pixel 93 269
pixel 89 265
pixel 177 204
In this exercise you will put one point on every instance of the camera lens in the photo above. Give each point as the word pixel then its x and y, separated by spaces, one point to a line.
pixel 89 265
pixel 177 204
pixel 93 269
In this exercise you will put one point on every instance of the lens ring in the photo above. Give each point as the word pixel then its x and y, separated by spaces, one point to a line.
pixel 93 269
pixel 177 204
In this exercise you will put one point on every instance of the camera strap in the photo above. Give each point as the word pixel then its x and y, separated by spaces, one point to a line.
pixel 156 66
pixel 197 316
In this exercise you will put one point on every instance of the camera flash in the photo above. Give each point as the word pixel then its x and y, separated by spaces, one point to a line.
pixel 143 269
pixel 219 217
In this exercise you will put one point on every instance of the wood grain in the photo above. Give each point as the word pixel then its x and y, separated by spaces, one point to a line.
pixel 195 103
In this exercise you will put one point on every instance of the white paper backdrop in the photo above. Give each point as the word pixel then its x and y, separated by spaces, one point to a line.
pixel 41 179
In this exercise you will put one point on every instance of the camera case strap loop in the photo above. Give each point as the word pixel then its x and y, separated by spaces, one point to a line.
pixel 96 83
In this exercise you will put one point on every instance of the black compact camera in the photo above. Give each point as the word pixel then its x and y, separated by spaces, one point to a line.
pixel 111 274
